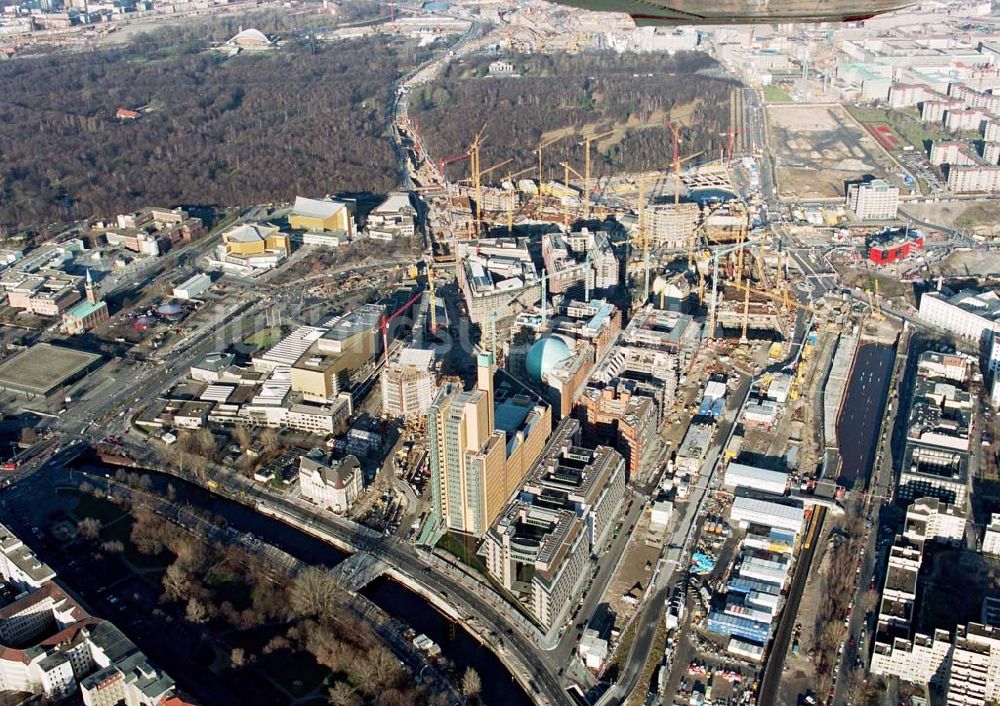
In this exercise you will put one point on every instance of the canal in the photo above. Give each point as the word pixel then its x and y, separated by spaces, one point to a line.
pixel 463 650
pixel 861 414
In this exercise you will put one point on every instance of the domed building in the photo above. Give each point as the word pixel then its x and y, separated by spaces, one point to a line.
pixel 545 354
pixel 250 40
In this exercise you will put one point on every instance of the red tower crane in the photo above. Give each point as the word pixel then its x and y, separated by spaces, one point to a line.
pixel 731 134
pixel 386 320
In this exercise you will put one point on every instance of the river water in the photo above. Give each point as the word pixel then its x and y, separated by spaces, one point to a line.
pixel 499 687
pixel 861 415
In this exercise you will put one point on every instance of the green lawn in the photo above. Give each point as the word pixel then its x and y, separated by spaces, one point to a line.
pixel 907 127
pixel 89 506
pixel 774 94
pixel 298 673
pixel 462 551
pixel 122 531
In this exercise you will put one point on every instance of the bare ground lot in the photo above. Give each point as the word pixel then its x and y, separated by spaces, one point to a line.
pixel 818 149
pixel 973 217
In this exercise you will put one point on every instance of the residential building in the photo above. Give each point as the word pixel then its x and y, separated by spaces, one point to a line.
pixel 930 519
pixel 874 200
pixel 19 566
pixel 332 484
pixel 991 536
pixel 933 472
pixel 617 416
pixel 973 179
pixel 52 649
pixel 970 315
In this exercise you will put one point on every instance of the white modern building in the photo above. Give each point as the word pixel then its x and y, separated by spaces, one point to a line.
pixel 739 475
pixel 991 537
pixel 930 519
pixel 970 315
pixel 874 200
pixel 18 564
pixel 788 516
pixel 193 286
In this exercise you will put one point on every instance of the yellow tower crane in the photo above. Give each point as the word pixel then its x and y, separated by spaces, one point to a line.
pixel 566 172
pixel 542 144
pixel 479 189
pixel 513 196
pixel 746 311
pixel 587 141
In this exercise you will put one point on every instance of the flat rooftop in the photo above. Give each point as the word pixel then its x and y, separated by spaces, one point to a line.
pixel 43 368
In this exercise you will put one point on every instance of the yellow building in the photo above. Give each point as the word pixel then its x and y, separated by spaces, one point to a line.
pixel 321 215
pixel 251 239
pixel 481 451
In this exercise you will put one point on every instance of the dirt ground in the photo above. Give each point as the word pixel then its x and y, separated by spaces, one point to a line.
pixel 819 148
pixel 633 572
pixel 974 217
pixel 968 263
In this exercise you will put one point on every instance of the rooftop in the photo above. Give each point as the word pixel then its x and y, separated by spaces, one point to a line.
pixel 43 368
pixel 317 208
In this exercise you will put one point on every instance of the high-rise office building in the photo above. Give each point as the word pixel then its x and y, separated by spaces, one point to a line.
pixel 475 466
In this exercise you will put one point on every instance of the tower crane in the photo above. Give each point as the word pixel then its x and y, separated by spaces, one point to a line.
pixel 566 171
pixel 479 191
pixel 730 142
pixel 677 162
pixel 386 320
pixel 542 144
pixel 746 311
pixel 513 195
pixel 449 160
pixel 587 141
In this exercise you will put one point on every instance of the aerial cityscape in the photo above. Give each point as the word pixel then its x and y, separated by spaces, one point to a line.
pixel 500 353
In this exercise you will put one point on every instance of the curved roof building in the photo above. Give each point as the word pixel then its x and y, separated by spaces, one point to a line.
pixel 545 354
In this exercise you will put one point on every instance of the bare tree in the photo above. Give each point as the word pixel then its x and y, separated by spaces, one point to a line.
pixel 472 686
pixel 343 694
pixel 89 528
pixel 241 435
pixel 196 611
pixel 177 583
pixel 315 593
pixel 28 436
pixel 269 440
